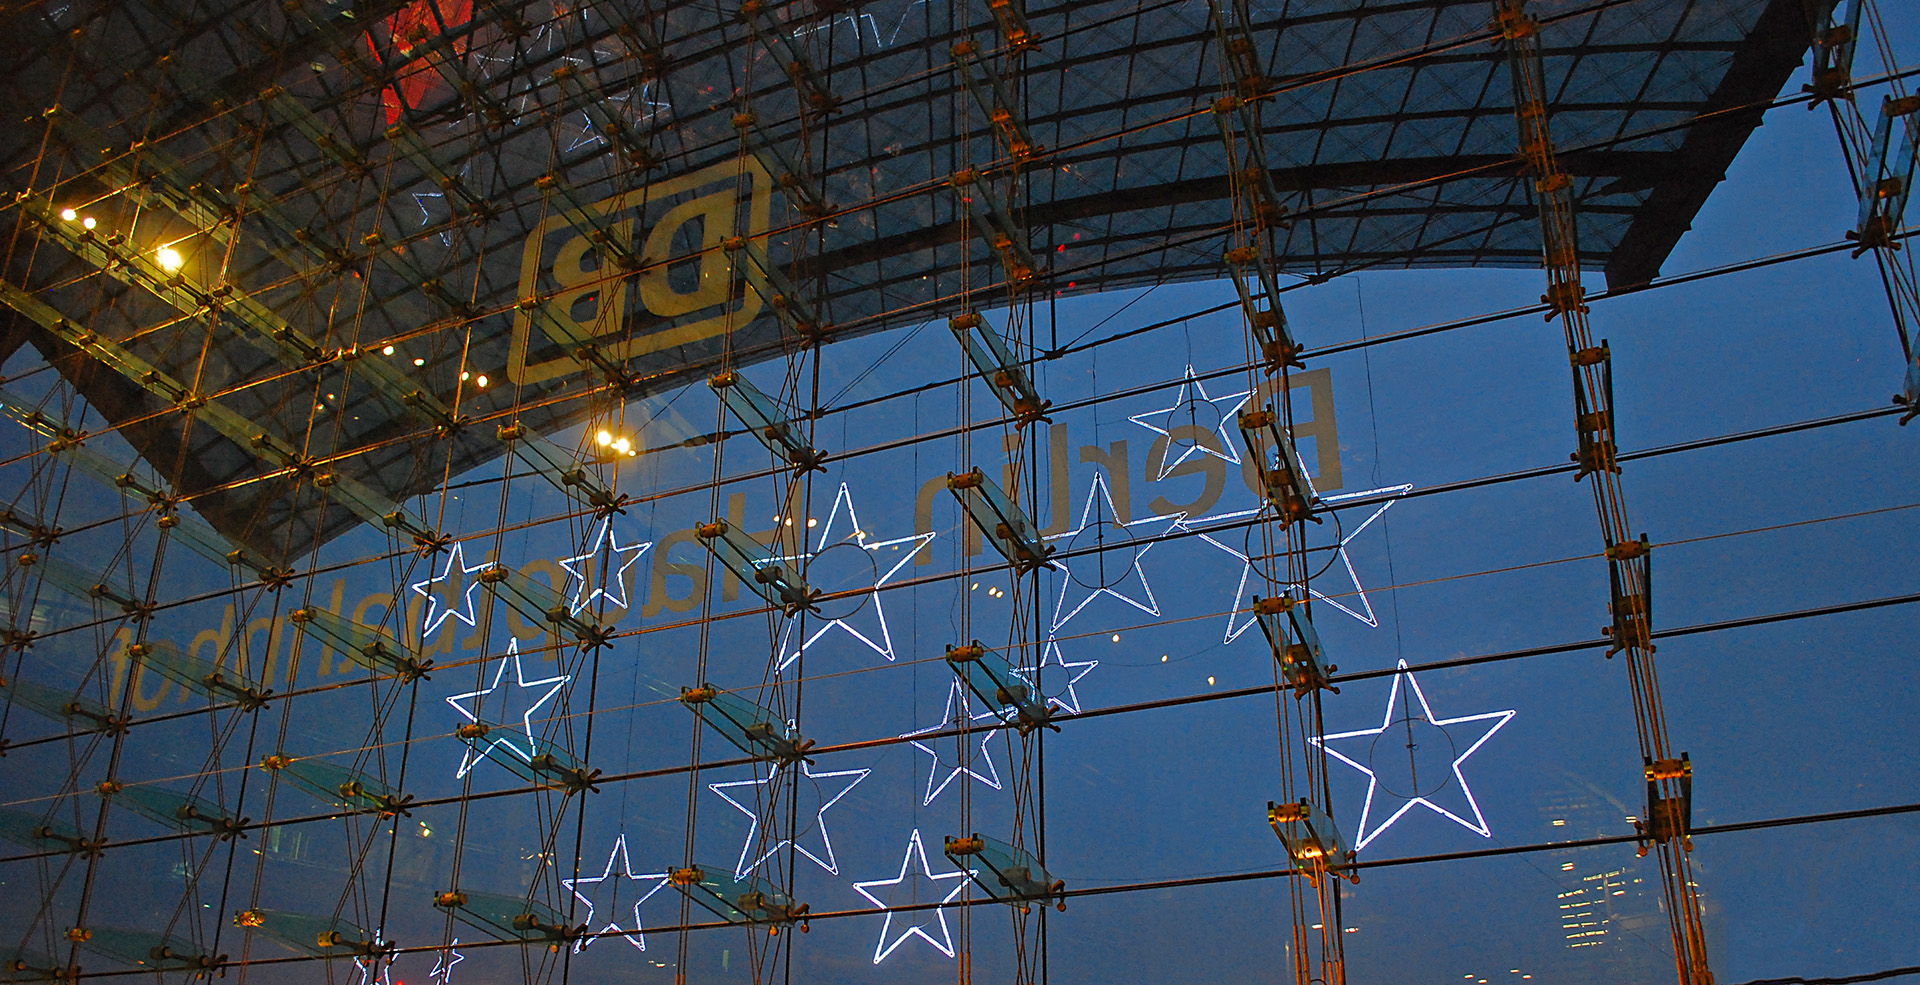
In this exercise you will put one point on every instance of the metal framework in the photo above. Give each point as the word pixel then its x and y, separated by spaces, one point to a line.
pixel 301 275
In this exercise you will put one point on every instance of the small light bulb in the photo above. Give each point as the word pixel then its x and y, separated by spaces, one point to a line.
pixel 169 258
pixel 88 222
pixel 69 214
pixel 1209 682
pixel 1116 637
pixel 603 438
pixel 419 362
pixel 465 375
pixel 386 350
pixel 621 445
pixel 811 522
pixel 480 380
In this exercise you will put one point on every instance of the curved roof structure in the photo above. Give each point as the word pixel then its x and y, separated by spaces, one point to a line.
pixel 479 187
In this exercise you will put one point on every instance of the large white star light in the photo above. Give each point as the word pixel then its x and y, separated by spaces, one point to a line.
pixel 1185 412
pixel 1089 576
pixel 1392 720
pixel 888 941
pixel 521 744
pixel 616 860
pixel 1068 699
pixel 888 557
pixel 952 717
pixel 820 853
pixel 606 550
pixel 1240 615
pixel 437 611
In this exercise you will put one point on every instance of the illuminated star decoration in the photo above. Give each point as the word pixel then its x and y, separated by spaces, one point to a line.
pixel 367 965
pixel 1370 831
pixel 514 742
pixel 443 965
pixel 1069 700
pixel 603 540
pixel 876 636
pixel 1144 600
pixel 915 849
pixel 618 857
pixel 588 135
pixel 936 784
pixel 1228 407
pixel 437 613
pixel 824 856
pixel 1240 616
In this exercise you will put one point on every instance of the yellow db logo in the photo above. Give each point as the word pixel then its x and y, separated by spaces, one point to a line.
pixel 685 285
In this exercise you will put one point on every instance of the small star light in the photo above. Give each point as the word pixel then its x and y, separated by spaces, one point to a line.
pixel 437 612
pixel 915 850
pixel 521 744
pixel 900 551
pixel 368 975
pixel 821 854
pixel 936 784
pixel 582 567
pixel 1182 414
pixel 443 963
pixel 1369 829
pixel 1068 699
pixel 1129 567
pixel 616 860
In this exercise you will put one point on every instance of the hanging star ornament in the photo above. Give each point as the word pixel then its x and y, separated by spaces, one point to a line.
pixel 522 743
pixel 953 717
pixel 437 610
pixel 650 883
pixel 443 964
pixel 821 851
pixel 368 974
pixel 1370 829
pixel 1183 414
pixel 1068 699
pixel 889 557
pixel 1240 615
pixel 605 550
pixel 1075 592
pixel 888 941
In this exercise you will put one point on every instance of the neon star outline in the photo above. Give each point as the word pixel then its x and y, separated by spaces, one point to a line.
pixel 1097 491
pixel 436 613
pixel 831 864
pixel 442 968
pixel 472 758
pixel 637 936
pixel 604 536
pixel 885 646
pixel 945 946
pixel 1235 626
pixel 366 968
pixel 1231 455
pixel 1479 823
pixel 1051 655
pixel 949 718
